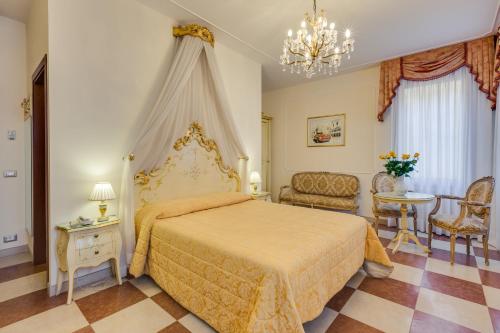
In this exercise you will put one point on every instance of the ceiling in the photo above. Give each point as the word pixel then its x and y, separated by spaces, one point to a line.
pixel 15 9
pixel 383 29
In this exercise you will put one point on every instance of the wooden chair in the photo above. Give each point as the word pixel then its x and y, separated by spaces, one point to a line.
pixel 383 182
pixel 474 217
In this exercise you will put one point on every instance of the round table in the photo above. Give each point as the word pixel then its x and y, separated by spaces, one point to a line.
pixel 404 200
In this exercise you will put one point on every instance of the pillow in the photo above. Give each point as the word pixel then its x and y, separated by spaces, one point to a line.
pixel 178 207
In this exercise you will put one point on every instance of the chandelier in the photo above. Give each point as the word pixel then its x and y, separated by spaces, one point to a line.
pixel 315 48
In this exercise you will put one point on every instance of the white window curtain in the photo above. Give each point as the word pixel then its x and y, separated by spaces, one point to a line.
pixel 495 219
pixel 449 121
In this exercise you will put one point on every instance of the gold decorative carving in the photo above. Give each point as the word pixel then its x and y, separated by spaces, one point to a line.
pixel 151 181
pixel 195 132
pixel 194 30
pixel 26 106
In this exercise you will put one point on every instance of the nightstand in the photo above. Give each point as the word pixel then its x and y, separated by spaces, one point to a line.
pixel 264 196
pixel 87 246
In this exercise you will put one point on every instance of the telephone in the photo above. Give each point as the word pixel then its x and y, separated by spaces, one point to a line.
pixel 84 220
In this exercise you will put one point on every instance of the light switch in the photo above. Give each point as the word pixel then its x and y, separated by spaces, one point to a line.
pixel 11 135
pixel 10 173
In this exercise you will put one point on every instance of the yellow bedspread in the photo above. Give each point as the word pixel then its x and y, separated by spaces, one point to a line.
pixel 250 266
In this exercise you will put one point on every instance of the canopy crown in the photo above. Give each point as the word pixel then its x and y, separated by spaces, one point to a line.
pixel 194 30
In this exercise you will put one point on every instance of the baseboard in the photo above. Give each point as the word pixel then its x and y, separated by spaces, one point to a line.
pixel 87 279
pixel 14 250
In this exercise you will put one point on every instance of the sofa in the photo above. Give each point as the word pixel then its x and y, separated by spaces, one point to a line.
pixel 322 190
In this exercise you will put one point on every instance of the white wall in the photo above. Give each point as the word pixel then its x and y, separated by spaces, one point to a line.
pixel 354 94
pixel 107 62
pixel 12 91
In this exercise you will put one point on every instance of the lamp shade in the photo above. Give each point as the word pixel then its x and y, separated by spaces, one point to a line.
pixel 255 177
pixel 102 191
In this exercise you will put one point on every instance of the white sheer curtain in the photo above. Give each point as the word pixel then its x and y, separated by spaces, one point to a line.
pixel 449 121
pixel 495 218
pixel 193 91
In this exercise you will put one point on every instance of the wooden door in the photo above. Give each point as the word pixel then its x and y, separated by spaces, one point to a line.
pixel 39 162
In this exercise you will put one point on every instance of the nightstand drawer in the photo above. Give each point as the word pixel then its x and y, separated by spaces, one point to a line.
pixel 90 254
pixel 93 239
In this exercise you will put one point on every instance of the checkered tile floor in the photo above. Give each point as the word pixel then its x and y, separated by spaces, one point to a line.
pixel 423 294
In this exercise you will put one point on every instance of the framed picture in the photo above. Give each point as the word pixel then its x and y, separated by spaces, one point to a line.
pixel 326 131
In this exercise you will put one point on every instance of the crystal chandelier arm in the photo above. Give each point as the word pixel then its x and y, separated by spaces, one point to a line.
pixel 295 53
pixel 334 53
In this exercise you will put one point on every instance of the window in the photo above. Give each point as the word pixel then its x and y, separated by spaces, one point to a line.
pixel 449 121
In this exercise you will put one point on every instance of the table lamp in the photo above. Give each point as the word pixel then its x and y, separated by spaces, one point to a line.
pixel 101 192
pixel 254 180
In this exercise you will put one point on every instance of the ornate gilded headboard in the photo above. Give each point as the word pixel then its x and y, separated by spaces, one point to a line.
pixel 194 168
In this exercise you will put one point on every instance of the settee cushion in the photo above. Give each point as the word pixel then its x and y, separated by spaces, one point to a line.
pixel 341 203
pixel 326 183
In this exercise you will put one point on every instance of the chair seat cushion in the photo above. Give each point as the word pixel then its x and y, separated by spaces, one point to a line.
pixel 342 203
pixel 470 224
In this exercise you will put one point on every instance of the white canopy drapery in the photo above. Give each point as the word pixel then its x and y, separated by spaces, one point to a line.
pixel 193 91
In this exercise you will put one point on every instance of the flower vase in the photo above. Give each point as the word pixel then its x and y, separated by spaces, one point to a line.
pixel 400 187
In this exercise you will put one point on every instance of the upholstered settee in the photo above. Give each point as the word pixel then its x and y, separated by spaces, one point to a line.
pixel 322 190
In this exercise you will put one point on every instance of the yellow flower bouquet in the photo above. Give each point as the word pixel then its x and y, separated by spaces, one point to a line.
pixel 400 167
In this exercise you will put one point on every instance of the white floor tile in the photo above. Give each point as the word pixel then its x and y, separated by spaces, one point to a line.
pixel 195 324
pixel 321 324
pixel 386 234
pixel 356 280
pixel 378 312
pixel 146 285
pixel 408 248
pixel 143 317
pixel 445 245
pixel 457 271
pixel 492 297
pixel 407 274
pixel 15 259
pixel 23 285
pixel 493 267
pixel 93 288
pixel 63 319
pixel 471 315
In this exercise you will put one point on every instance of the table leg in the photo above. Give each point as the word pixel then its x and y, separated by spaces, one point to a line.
pixel 404 235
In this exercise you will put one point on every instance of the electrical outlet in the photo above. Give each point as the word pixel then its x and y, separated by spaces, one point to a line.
pixel 11 135
pixel 10 238
pixel 10 173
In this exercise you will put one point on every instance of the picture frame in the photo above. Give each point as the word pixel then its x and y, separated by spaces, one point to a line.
pixel 326 131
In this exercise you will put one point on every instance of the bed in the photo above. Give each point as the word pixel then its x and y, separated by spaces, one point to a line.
pixel 241 265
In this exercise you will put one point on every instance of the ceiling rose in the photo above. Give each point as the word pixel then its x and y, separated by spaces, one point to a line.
pixel 315 48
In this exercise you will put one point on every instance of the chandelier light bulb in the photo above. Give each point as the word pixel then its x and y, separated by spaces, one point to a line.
pixel 290 33
pixel 332 26
pixel 347 33
pixel 303 24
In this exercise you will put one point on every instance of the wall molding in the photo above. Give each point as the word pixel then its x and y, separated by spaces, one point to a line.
pixel 14 250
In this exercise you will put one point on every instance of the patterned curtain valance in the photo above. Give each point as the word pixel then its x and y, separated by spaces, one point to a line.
pixel 478 55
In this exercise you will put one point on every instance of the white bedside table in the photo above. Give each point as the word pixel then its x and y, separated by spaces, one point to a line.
pixel 264 196
pixel 87 246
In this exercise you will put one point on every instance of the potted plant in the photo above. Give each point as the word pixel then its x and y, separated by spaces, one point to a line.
pixel 400 168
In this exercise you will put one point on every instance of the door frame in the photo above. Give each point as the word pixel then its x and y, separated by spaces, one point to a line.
pixel 40 182
pixel 268 120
